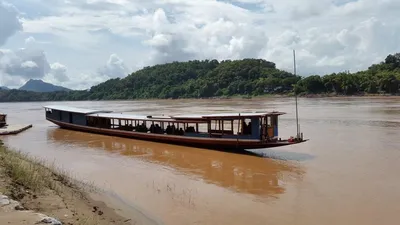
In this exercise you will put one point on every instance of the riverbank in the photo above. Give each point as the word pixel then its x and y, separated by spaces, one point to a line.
pixel 264 96
pixel 32 193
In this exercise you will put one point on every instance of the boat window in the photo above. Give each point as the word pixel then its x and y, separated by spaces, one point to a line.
pixel 215 125
pixel 190 128
pixel 203 128
pixel 100 122
pixel 227 125
pixel 222 126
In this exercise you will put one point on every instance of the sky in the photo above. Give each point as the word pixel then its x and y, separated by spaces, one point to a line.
pixel 80 43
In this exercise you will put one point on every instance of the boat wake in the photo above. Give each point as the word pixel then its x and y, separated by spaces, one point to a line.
pixel 282 155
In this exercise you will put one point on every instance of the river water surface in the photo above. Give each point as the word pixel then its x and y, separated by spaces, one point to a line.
pixel 347 173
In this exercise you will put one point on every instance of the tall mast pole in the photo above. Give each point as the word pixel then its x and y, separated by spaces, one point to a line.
pixel 295 94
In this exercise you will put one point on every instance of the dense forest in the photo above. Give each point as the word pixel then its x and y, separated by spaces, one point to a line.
pixel 382 78
pixel 210 78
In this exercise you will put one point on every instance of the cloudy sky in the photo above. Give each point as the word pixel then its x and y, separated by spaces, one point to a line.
pixel 78 43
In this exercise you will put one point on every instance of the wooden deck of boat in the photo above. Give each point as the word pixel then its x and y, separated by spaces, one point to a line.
pixel 14 129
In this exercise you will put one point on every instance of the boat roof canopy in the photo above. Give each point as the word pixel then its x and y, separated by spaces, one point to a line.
pixel 229 115
pixel 75 109
pixel 141 117
pixel 177 118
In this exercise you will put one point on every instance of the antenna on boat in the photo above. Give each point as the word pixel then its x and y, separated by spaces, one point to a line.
pixel 295 96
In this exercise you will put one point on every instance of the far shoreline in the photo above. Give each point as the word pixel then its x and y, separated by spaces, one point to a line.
pixel 235 97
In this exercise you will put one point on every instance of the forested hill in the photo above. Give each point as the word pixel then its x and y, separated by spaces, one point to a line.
pixel 383 78
pixel 203 79
pixel 198 79
pixel 192 79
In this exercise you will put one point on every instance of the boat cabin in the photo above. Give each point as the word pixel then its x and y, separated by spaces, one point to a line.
pixel 70 114
pixel 238 125
pixel 255 126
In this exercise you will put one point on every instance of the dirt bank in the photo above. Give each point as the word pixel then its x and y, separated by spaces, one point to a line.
pixel 31 192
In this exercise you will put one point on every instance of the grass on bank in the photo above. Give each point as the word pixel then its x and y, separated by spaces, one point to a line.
pixel 35 175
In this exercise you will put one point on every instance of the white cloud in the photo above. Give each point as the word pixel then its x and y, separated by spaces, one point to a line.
pixel 30 40
pixel 10 81
pixel 85 80
pixel 59 72
pixel 9 21
pixel 329 36
pixel 25 63
pixel 29 64
pixel 114 68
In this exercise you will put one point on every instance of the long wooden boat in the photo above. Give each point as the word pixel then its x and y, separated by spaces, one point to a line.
pixel 229 131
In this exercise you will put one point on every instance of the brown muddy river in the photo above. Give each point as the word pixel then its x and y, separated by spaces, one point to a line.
pixel 347 173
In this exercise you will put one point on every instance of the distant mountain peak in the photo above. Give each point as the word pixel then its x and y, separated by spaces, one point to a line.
pixel 41 86
pixel 4 88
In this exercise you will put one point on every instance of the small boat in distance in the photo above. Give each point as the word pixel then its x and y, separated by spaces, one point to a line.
pixel 225 131
pixel 3 120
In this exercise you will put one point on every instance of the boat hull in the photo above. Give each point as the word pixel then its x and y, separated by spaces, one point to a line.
pixel 208 143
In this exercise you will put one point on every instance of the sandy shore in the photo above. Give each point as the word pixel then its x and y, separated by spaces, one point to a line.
pixel 31 193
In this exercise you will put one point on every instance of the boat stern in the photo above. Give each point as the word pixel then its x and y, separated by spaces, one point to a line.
pixel 298 139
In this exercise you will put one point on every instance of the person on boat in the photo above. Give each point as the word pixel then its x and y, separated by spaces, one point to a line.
pixel 3 122
pixel 264 133
pixel 152 130
pixel 157 129
pixel 244 127
pixel 168 130
pixel 249 128
pixel 190 129
pixel 173 129
pixel 142 127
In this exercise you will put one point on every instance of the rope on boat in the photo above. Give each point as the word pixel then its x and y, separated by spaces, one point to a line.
pixel 237 139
